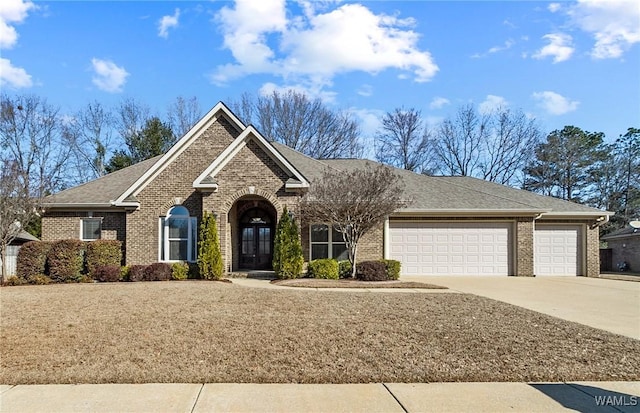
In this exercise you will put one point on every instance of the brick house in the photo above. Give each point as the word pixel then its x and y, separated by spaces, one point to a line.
pixel 454 225
pixel 625 247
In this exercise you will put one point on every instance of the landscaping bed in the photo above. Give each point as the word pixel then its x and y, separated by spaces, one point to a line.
pixel 354 283
pixel 198 331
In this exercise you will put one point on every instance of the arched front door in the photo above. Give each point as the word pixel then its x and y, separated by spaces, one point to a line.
pixel 256 239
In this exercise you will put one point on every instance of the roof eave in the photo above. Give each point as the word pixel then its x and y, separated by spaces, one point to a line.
pixel 468 212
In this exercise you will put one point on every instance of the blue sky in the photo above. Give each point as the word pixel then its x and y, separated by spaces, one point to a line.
pixel 564 63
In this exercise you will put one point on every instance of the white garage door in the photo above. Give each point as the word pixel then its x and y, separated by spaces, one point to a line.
pixel 557 250
pixel 451 248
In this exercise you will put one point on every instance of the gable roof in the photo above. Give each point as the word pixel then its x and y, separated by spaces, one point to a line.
pixel 627 232
pixel 207 177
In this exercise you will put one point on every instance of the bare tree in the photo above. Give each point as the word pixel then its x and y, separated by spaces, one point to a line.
pixel 18 207
pixel 32 140
pixel 403 141
pixel 90 135
pixel 354 202
pixel 183 114
pixel 304 124
pixel 494 146
pixel 130 118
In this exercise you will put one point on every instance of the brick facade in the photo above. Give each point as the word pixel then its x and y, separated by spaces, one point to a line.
pixel 66 225
pixel 626 249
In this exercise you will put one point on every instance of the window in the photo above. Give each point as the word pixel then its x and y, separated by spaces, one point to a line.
pixel 90 229
pixel 327 242
pixel 178 235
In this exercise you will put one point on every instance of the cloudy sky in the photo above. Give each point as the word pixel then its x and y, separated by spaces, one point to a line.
pixel 564 63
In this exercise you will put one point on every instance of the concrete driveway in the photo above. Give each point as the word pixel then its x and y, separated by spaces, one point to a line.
pixel 609 305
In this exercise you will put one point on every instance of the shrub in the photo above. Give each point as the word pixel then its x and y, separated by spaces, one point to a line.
pixel 324 268
pixel 344 269
pixel 14 280
pixel 371 271
pixel 287 250
pixel 107 273
pixel 65 260
pixel 124 273
pixel 136 272
pixel 102 252
pixel 194 271
pixel 209 255
pixel 179 271
pixel 32 260
pixel 158 271
pixel 41 280
pixel 393 269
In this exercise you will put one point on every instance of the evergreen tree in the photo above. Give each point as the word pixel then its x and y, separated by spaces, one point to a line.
pixel 287 250
pixel 209 255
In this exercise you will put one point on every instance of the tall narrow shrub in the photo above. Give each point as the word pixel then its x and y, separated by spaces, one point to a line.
pixel 209 255
pixel 287 250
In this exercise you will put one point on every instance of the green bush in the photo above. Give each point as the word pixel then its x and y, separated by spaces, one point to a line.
pixel 66 259
pixel 371 271
pixel 107 273
pixel 344 269
pixel 14 280
pixel 179 271
pixel 101 253
pixel 209 256
pixel 393 269
pixel 194 271
pixel 124 273
pixel 32 260
pixel 287 250
pixel 41 280
pixel 158 271
pixel 136 272
pixel 324 268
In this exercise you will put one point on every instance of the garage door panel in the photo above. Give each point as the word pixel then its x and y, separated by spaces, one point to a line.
pixel 557 250
pixel 453 248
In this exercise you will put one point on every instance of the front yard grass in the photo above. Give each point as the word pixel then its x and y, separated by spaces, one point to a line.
pixel 215 332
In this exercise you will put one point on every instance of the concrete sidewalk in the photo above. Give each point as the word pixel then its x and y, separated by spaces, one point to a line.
pixel 374 397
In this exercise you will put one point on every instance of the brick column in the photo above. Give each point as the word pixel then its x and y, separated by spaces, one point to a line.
pixel 524 261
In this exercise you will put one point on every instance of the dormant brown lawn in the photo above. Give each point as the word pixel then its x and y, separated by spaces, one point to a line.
pixel 217 332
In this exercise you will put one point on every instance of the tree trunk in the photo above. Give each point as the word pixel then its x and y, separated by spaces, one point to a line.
pixel 3 257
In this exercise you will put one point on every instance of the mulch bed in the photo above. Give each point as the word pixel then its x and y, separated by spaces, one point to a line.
pixel 200 332
pixel 345 283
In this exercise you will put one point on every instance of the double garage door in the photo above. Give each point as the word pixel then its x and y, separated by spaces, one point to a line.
pixel 482 248
pixel 452 248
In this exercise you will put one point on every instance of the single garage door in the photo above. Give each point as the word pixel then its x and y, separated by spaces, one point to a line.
pixel 451 248
pixel 557 250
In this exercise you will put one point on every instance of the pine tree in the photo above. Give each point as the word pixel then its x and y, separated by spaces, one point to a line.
pixel 209 255
pixel 287 250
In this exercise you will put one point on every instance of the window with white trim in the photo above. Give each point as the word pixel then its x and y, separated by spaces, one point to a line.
pixel 327 242
pixel 90 229
pixel 178 232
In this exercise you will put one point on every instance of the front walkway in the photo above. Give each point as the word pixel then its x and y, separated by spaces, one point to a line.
pixel 372 397
pixel 609 305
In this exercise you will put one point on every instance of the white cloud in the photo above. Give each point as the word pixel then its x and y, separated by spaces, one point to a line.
pixel 12 12
pixel 559 47
pixel 167 22
pixel 12 76
pixel 555 103
pixel 314 47
pixel 365 90
pixel 615 25
pixel 491 103
pixel 554 7
pixel 495 49
pixel 109 77
pixel 438 102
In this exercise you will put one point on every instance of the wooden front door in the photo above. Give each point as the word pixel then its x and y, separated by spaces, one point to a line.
pixel 256 240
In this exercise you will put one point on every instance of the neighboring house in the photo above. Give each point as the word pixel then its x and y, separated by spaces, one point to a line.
pixel 625 247
pixel 454 225
pixel 12 251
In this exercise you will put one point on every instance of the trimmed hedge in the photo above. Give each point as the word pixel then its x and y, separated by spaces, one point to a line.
pixel 371 271
pixel 32 260
pixel 179 271
pixel 102 253
pixel 158 271
pixel 136 272
pixel 344 269
pixel 324 268
pixel 107 273
pixel 66 259
pixel 393 269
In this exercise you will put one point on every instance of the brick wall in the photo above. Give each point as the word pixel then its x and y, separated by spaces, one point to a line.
pixel 626 249
pixel 66 225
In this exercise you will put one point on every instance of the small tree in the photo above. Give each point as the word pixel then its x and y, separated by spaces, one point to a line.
pixel 287 250
pixel 354 202
pixel 209 255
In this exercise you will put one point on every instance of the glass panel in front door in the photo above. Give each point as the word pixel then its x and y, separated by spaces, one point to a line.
pixel 264 240
pixel 248 241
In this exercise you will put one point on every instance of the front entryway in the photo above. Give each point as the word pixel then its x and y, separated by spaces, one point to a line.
pixel 256 239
